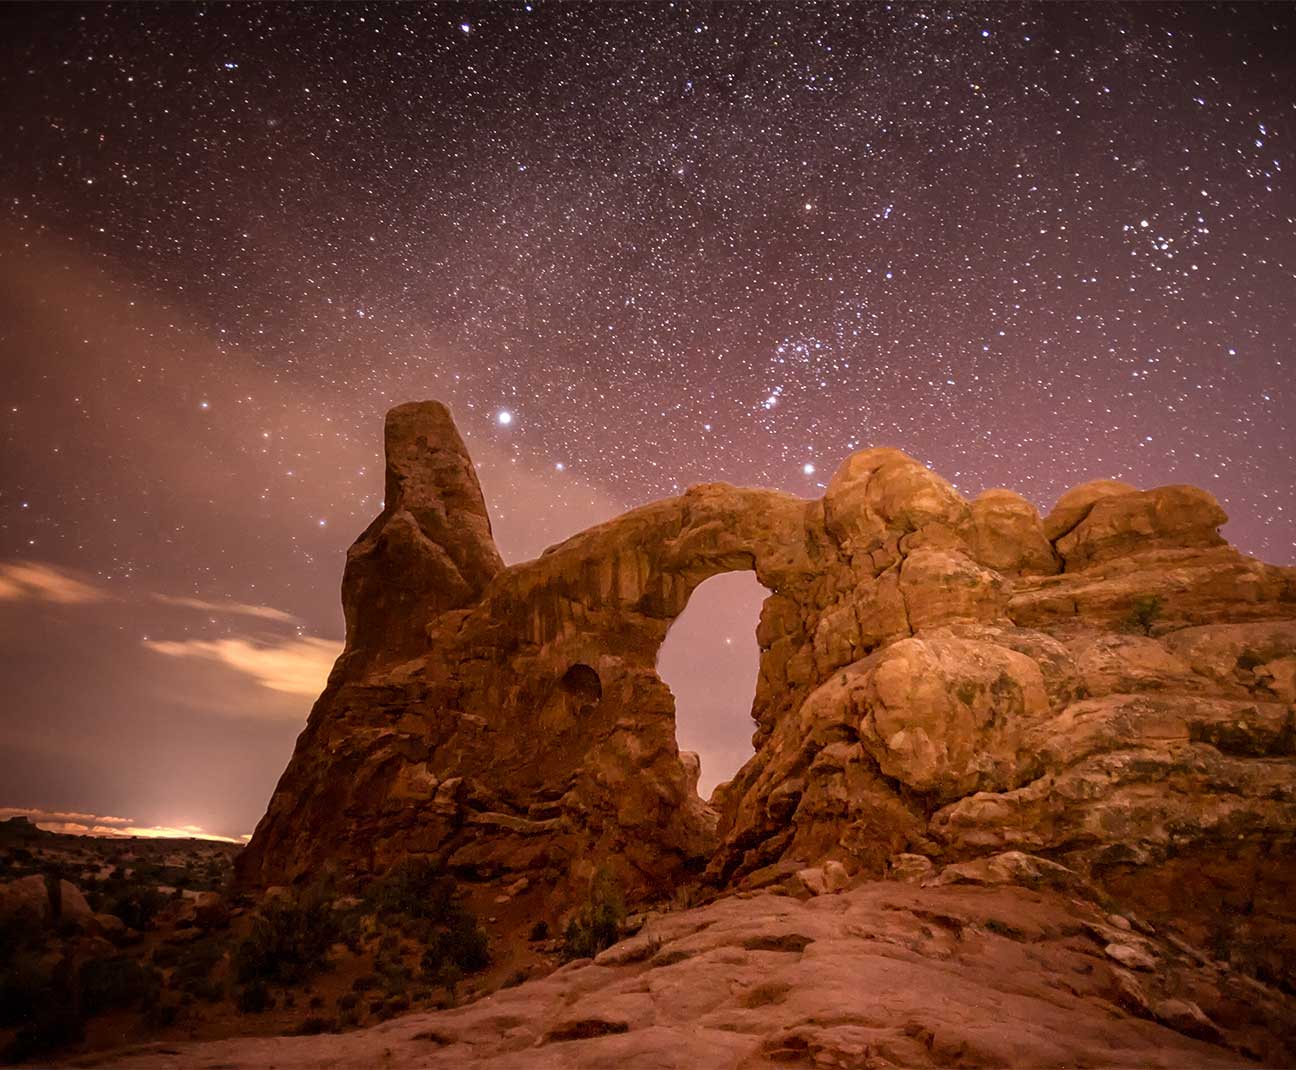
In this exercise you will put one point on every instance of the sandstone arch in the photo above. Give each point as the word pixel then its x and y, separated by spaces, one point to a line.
pixel 937 678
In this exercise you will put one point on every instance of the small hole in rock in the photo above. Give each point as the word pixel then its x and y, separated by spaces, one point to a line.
pixel 583 682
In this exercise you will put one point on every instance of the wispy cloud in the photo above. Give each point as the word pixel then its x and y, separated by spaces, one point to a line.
pixel 297 666
pixel 24 581
pixel 241 609
pixel 77 823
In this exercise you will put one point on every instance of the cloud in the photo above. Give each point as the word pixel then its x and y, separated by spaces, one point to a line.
pixel 294 666
pixel 22 581
pixel 76 823
pixel 237 608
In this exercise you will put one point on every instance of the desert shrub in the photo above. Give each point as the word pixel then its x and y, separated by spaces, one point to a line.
pixel 26 983
pixel 597 925
pixel 347 1000
pixel 1144 613
pixel 313 1026
pixel 53 1024
pixel 254 997
pixel 196 961
pixel 115 983
pixel 135 906
pixel 460 948
pixel 366 982
pixel 205 989
pixel 540 930
pixel 16 935
pixel 162 1013
pixel 395 976
pixel 418 929
pixel 416 888
pixel 289 940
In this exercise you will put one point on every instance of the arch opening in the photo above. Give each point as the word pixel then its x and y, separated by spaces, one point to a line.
pixel 710 660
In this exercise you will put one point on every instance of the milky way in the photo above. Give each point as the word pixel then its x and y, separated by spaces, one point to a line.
pixel 634 248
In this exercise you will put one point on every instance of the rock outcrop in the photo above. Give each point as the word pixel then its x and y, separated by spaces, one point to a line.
pixel 1109 689
pixel 977 971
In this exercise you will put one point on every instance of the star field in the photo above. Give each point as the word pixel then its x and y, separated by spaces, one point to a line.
pixel 634 247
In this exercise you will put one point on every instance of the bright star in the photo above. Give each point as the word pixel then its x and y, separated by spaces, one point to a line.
pixel 808 469
pixel 504 417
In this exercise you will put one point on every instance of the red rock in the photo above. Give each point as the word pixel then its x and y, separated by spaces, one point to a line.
pixel 930 687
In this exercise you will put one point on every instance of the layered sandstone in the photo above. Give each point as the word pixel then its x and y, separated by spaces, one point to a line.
pixel 1111 688
pixel 974 971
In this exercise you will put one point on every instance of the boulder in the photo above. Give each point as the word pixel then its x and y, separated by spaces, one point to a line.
pixel 1073 506
pixel 1007 535
pixel 910 868
pixel 880 492
pixel 71 905
pixel 111 926
pixel 949 716
pixel 210 910
pixel 26 899
pixel 1119 525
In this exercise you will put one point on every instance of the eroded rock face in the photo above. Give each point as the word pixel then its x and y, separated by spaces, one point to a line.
pixel 975 971
pixel 1109 689
pixel 430 550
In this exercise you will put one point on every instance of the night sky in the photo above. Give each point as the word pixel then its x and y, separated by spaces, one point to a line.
pixel 633 248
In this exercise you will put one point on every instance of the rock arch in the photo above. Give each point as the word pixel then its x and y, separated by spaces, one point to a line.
pixel 923 672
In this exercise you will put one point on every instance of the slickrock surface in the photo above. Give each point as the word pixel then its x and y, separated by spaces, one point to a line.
pixel 884 975
pixel 1111 688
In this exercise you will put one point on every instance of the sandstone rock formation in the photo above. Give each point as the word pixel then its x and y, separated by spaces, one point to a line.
pixel 975 972
pixel 1109 689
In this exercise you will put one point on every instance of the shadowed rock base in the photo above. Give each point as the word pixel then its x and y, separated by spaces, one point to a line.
pixel 886 975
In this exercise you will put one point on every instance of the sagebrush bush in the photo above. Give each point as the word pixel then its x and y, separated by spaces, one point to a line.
pixel 416 888
pixel 461 947
pixel 1144 614
pixel 26 982
pixel 290 939
pixel 254 997
pixel 115 983
pixel 597 925
pixel 135 906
